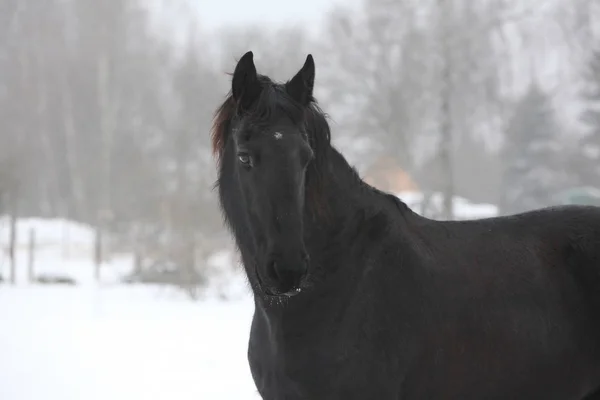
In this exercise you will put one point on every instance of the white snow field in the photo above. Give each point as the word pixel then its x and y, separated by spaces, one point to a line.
pixel 121 343
pixel 114 341
pixel 125 342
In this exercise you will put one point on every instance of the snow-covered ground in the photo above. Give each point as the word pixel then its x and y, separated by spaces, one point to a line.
pixel 115 341
pixel 121 343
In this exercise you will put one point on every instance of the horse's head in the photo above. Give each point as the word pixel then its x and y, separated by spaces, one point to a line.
pixel 272 152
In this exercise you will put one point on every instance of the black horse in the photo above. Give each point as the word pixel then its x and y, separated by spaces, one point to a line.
pixel 358 297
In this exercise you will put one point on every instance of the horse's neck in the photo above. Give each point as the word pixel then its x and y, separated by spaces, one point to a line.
pixel 342 200
pixel 342 183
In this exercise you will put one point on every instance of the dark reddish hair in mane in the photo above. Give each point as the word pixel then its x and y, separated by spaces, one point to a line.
pixel 220 128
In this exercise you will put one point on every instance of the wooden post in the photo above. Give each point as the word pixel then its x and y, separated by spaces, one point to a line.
pixel 102 254
pixel 31 260
pixel 13 238
pixel 137 251
pixel 98 253
pixel 189 263
pixel 137 260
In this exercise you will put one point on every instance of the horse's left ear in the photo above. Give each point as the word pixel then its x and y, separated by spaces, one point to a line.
pixel 300 87
pixel 245 86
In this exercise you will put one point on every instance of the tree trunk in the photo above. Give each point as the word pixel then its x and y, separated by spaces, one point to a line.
pixel 77 188
pixel 107 107
pixel 445 146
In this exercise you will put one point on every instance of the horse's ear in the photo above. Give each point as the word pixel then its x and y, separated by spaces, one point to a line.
pixel 245 86
pixel 300 87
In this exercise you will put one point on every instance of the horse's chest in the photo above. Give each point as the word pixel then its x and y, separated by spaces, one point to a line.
pixel 330 370
pixel 282 372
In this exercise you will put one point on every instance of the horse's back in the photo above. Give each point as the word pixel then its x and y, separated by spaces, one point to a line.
pixel 566 236
pixel 507 302
pixel 559 243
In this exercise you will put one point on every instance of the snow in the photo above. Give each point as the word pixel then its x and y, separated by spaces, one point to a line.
pixel 116 341
pixel 122 343
pixel 463 209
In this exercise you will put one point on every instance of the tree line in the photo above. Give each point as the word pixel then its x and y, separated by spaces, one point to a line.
pixel 104 119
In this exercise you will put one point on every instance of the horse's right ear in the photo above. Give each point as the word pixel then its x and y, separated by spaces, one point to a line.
pixel 245 86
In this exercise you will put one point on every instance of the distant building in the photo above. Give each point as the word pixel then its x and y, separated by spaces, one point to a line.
pixel 385 174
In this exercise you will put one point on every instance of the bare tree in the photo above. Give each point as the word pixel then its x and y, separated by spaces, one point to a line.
pixel 375 78
pixel 419 76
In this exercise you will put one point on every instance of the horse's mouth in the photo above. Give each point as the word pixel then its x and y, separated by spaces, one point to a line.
pixel 271 292
pixel 289 293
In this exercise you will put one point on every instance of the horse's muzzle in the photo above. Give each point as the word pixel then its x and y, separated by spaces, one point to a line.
pixel 285 273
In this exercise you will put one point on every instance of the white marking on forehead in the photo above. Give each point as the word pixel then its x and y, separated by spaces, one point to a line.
pixel 277 135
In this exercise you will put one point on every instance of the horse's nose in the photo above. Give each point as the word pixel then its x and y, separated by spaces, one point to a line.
pixel 286 271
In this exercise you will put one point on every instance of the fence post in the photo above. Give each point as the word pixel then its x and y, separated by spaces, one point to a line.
pixel 31 259
pixel 98 253
pixel 136 236
pixel 137 260
pixel 13 238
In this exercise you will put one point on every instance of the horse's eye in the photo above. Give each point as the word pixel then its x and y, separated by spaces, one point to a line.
pixel 244 158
